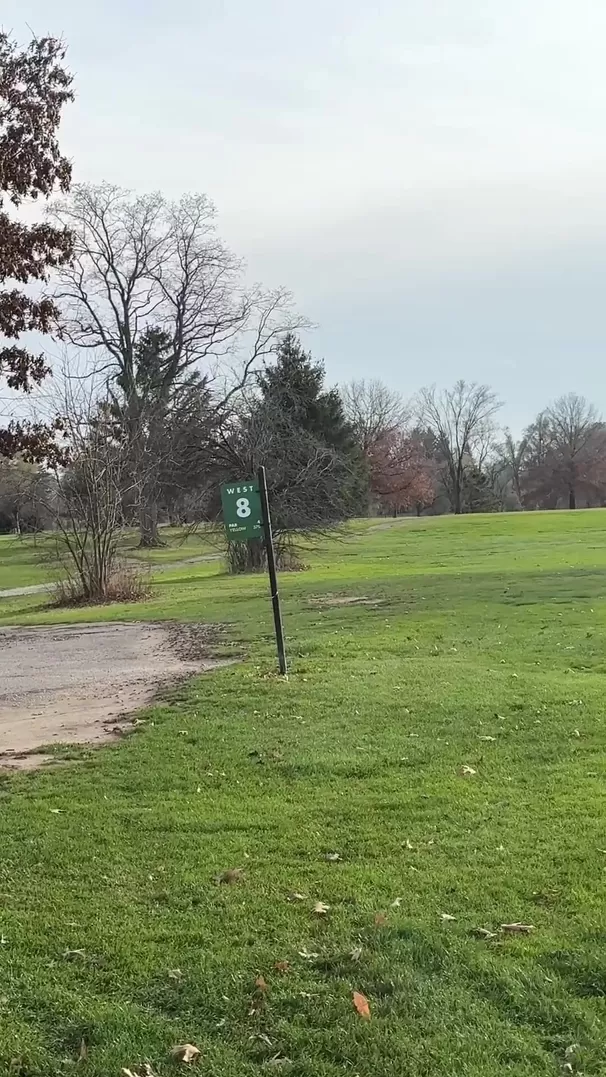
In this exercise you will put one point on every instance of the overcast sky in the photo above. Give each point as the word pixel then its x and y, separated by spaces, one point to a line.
pixel 427 176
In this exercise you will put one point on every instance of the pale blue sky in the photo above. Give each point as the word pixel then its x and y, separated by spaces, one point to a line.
pixel 427 176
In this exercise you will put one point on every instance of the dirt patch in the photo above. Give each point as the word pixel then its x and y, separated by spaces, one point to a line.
pixel 73 684
pixel 346 600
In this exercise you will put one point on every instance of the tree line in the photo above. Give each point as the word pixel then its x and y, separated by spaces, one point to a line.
pixel 194 377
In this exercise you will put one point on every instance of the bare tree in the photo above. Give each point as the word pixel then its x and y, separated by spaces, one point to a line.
pixel 143 263
pixel 374 410
pixel 462 422
pixel 577 440
pixel 88 511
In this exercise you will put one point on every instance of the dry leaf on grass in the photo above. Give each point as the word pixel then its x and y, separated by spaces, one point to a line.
pixel 232 875
pixel 174 974
pixel 295 896
pixel 408 844
pixel 396 903
pixel 71 955
pixel 57 811
pixel 332 857
pixel 487 738
pixel 446 918
pixel 381 919
pixel 138 1072
pixel 466 772
pixel 308 955
pixel 282 966
pixel 185 1052
pixel 278 1061
pixel 517 929
pixel 321 908
pixel 83 1052
pixel 361 1004
pixel 483 933
pixel 260 983
pixel 356 953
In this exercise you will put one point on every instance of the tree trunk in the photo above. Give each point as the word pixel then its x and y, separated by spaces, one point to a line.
pixel 572 499
pixel 148 524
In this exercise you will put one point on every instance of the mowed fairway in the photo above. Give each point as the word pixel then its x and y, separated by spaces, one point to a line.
pixel 480 645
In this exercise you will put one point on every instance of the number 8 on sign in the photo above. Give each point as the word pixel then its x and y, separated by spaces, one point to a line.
pixel 243 508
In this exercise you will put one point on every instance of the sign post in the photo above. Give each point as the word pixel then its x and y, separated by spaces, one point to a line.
pixel 246 516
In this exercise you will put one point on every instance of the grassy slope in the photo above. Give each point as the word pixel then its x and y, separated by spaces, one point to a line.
pixel 490 627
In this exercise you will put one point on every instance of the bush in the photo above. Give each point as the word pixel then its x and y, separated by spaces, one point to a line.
pixel 126 583
pixel 250 556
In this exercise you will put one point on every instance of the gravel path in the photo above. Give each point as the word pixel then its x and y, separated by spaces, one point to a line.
pixel 74 683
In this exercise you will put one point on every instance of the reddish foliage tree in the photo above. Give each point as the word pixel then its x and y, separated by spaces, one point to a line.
pixel 34 86
pixel 401 475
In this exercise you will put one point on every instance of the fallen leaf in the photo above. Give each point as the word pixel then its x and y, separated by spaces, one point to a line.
pixel 83 1052
pixel 277 1061
pixel 307 955
pixel 517 929
pixel 57 811
pixel 296 897
pixel 185 1052
pixel 262 1037
pixel 381 919
pixel 487 738
pixel 396 903
pixel 282 966
pixel 332 857
pixel 466 771
pixel 409 844
pixel 361 1004
pixel 232 875
pixel 446 917
pixel 175 974
pixel 145 1072
pixel 356 953
pixel 321 908
pixel 260 983
pixel 69 955
pixel 483 933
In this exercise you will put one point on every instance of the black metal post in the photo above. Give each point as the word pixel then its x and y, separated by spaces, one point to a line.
pixel 271 568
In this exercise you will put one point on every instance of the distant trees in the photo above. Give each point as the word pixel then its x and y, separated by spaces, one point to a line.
pixel 561 457
pixel 34 87
pixel 462 422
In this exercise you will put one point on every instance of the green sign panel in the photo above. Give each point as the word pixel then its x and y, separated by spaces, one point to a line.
pixel 242 510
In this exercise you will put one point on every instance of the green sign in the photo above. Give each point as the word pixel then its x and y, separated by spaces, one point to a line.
pixel 242 510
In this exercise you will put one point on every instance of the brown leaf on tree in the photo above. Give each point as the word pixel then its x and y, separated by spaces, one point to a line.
pixel 232 875
pixel 361 1004
pixel 185 1052
pixel 517 929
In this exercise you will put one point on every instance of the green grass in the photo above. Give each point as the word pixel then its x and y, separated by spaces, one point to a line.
pixel 28 560
pixel 482 627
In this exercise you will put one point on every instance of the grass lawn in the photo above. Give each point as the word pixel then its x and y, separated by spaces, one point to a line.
pixel 480 644
pixel 29 559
